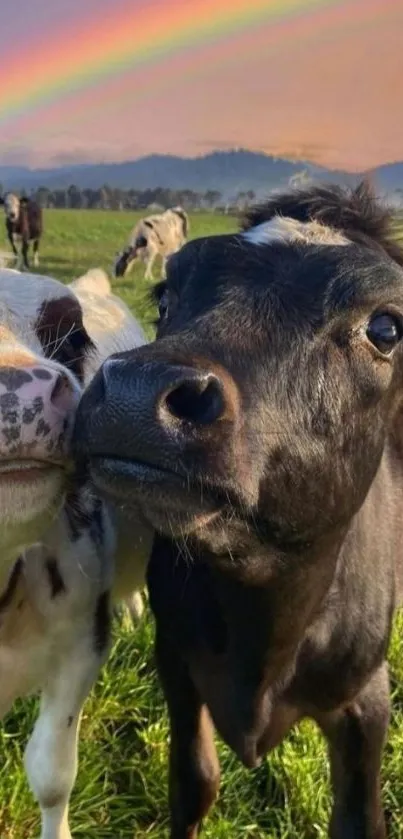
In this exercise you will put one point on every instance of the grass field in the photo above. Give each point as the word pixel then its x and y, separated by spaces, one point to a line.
pixel 121 791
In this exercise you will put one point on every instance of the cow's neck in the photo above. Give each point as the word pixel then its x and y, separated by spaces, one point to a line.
pixel 266 620
pixel 264 626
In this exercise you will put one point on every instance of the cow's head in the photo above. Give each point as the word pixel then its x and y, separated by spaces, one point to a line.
pixel 261 412
pixel 42 349
pixel 125 259
pixel 11 205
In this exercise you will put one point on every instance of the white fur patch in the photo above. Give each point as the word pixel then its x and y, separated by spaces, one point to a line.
pixel 287 230
pixel 106 318
pixel 47 640
pixel 21 300
pixel 11 205
pixel 95 281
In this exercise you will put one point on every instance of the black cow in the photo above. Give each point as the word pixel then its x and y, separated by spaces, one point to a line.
pixel 262 436
pixel 23 221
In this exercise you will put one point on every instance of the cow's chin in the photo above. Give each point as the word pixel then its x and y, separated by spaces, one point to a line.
pixel 165 501
pixel 30 497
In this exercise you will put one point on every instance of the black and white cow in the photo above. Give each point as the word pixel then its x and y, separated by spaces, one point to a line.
pixel 158 235
pixel 24 222
pixel 65 555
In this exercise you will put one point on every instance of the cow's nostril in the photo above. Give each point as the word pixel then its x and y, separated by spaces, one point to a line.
pixel 61 391
pixel 199 401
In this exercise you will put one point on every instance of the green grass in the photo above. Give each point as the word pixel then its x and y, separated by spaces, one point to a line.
pixel 121 791
pixel 77 240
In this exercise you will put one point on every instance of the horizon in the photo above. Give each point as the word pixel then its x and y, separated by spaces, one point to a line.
pixel 101 81
pixel 200 156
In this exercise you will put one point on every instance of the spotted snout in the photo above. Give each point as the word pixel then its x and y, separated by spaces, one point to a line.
pixel 37 408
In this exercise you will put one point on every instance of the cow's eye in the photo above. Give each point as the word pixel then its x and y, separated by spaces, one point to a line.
pixel 384 331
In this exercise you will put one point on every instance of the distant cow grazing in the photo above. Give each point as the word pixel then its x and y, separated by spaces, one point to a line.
pixel 262 436
pixel 65 554
pixel 24 223
pixel 158 235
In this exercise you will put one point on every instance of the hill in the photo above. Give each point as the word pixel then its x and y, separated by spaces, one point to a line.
pixel 229 172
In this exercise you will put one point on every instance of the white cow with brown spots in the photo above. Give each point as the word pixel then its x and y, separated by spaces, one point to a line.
pixel 65 555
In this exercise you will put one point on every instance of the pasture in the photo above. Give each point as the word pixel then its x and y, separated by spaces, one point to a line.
pixel 121 791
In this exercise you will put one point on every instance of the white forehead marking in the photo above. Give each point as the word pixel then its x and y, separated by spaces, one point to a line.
pixel 286 230
pixel 11 202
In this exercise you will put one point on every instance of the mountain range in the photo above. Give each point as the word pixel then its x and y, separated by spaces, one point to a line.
pixel 228 172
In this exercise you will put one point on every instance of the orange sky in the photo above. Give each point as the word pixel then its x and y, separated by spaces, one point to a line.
pixel 333 92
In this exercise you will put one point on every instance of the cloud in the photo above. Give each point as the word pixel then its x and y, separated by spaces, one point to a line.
pixel 15 155
pixel 66 151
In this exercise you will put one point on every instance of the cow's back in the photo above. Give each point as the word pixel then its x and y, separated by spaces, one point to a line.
pixel 31 220
pixel 166 231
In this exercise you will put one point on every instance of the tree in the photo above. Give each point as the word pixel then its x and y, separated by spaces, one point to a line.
pixel 74 196
pixel 44 196
pixel 211 198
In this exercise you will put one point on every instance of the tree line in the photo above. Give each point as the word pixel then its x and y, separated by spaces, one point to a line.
pixel 113 198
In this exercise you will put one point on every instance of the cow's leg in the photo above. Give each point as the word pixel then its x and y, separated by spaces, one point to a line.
pixel 18 256
pixel 36 252
pixel 10 236
pixel 135 605
pixel 51 754
pixel 24 251
pixel 194 772
pixel 356 737
pixel 150 262
pixel 19 262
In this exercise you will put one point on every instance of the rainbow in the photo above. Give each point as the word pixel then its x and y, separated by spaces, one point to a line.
pixel 148 36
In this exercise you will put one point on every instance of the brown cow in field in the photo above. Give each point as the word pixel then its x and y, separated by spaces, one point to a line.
pixel 23 223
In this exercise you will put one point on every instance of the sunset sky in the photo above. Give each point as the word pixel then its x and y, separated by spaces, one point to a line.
pixel 97 80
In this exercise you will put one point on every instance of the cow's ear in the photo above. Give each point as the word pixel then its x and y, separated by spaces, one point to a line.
pixel 24 200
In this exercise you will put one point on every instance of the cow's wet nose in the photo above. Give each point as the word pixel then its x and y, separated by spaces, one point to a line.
pixel 151 408
pixel 166 393
pixel 50 385
pixel 37 407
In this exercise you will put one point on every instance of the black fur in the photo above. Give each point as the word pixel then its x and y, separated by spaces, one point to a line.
pixel 60 329
pixel 356 213
pixel 56 582
pixel 102 623
pixel 261 436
